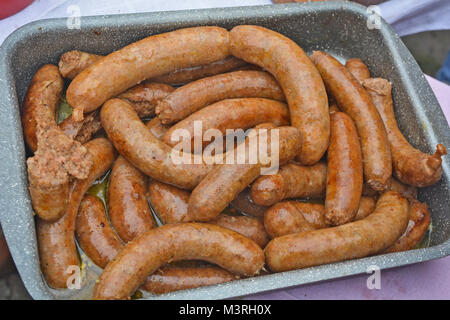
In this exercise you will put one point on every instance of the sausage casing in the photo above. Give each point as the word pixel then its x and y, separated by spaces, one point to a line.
pixel 356 102
pixel 288 217
pixel 138 145
pixel 185 75
pixel 419 221
pixel 94 233
pixel 231 114
pixel 57 249
pixel 411 166
pixel 353 240
pixel 358 69
pixel 201 93
pixel 344 171
pixel 184 241
pixel 292 181
pixel 127 203
pixel 144 59
pixel 299 79
pixel 226 180
pixel 44 92
pixel 171 206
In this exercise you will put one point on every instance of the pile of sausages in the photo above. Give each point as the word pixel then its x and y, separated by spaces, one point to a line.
pixel 339 148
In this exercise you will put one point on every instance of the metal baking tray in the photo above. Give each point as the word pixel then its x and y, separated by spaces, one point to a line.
pixel 340 28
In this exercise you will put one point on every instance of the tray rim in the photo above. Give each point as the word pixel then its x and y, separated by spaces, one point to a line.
pixel 227 290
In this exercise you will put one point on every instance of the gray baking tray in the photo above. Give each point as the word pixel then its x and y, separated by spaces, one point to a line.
pixel 336 27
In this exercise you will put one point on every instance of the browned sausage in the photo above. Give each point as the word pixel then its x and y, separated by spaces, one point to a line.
pixel 245 204
pixel 201 93
pixel 57 155
pixel 366 207
pixel 134 141
pixel 299 79
pixel 99 241
pixel 94 233
pixel 353 240
pixel 127 203
pixel 168 279
pixel 289 217
pixel 230 114
pixel 183 241
pixel 43 93
pixel 356 102
pixel 411 166
pixel 291 181
pixel 182 76
pixel 144 59
pixel 344 171
pixel 57 249
pixel 358 69
pixel 227 180
pixel 419 221
pixel 73 62
pixel 144 97
pixel 171 206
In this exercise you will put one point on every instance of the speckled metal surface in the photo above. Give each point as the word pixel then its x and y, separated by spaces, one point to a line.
pixel 337 27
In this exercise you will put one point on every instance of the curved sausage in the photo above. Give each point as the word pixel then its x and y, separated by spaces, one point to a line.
pixel 44 94
pixel 94 233
pixel 353 240
pixel 144 59
pixel 419 221
pixel 57 156
pixel 128 209
pixel 171 206
pixel 299 79
pixel 231 114
pixel 99 241
pixel 411 166
pixel 57 249
pixel 183 241
pixel 291 181
pixel 227 180
pixel 358 69
pixel 145 97
pixel 289 217
pixel 201 93
pixel 344 171
pixel 169 279
pixel 73 62
pixel 182 76
pixel 134 141
pixel 356 102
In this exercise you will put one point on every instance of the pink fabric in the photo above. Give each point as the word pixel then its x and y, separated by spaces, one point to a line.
pixel 426 280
